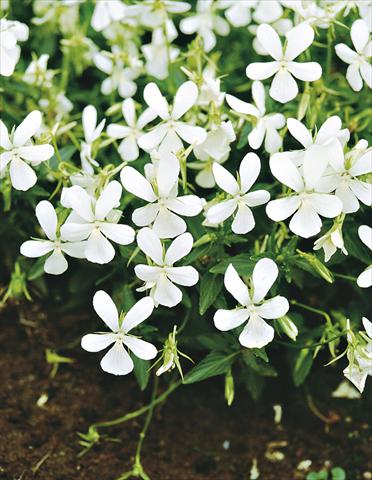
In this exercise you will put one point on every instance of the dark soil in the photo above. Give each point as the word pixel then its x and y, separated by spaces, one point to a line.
pixel 186 436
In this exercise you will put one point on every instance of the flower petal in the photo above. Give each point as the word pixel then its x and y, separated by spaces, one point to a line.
pixel 282 208
pixel 4 137
pixel 190 133
pixel 187 205
pixel 226 320
pixel 184 99
pixel 144 216
pixel 346 54
pixel 21 175
pixel 156 101
pixel 330 128
pixel 166 293
pixel 106 309
pixel 359 35
pixel 186 276
pixel 261 70
pixel 138 313
pixel 249 170
pixel 150 140
pixel 76 232
pixel 168 225
pixel 36 248
pixel 285 171
pixel 305 222
pixel 235 286
pixel 220 212
pixel 244 220
pixel 270 40
pixel 140 348
pixel 137 184
pixel 108 199
pixel 148 241
pixel 264 275
pixel 299 39
pixel 364 280
pixel 36 153
pixel 306 71
pixel 274 308
pixel 118 233
pixel 98 248
pixel 365 235
pixel 257 333
pixel 299 132
pixel 167 174
pixel 259 197
pixel 354 78
pixel 117 361
pixel 55 264
pixel 241 107
pixel 74 249
pixel 47 218
pixel 225 180
pixel 81 203
pixel 179 248
pixel 27 128
pixel 95 342
pixel 326 205
pixel 283 87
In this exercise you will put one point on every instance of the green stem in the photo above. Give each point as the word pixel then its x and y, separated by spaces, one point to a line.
pixel 312 345
pixel 314 310
pixel 345 277
pixel 329 51
pixel 140 411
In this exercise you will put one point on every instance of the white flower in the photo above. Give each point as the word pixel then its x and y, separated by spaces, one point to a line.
pixel 252 305
pixel 331 241
pixel 284 87
pixel 169 133
pixel 345 170
pixel 55 263
pixel 360 358
pixel 20 151
pixel 106 12
pixel 117 360
pixel 163 204
pixel 91 132
pixel 238 13
pixel 267 12
pixel 311 13
pixel 11 32
pixel 205 22
pixel 159 54
pixel 161 277
pixel 359 67
pixel 216 148
pixel 329 135
pixel 128 148
pixel 37 72
pixel 266 126
pixel 153 12
pixel 308 201
pixel 96 221
pixel 365 278
pixel 238 199
pixel 210 89
pixel 346 390
pixel 119 78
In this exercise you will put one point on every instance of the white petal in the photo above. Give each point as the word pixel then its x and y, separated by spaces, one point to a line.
pixel 190 134
pixel 4 137
pixel 258 94
pixel 354 78
pixel 299 132
pixel 140 348
pixel 359 35
pixel 366 73
pixel 273 141
pixel 305 222
pixel 187 205
pixel 166 293
pixel 270 40
pixel 21 175
pixel 362 190
pixel 248 171
pixel 148 241
pixel 138 313
pixel 74 249
pixel 367 326
pixel 235 285
pixel 89 121
pixel 314 165
pixel 56 263
pixel 274 308
pixel 365 234
pixel 282 208
pixel 179 248
pixel 27 128
pixel 117 361
pixel 128 149
pixel 108 199
pixel 220 212
pixel 81 203
pixel 99 249
pixel 346 54
pixel 326 205
pixel 144 216
pixel 306 71
pixel 226 320
pixel 225 180
pixel 257 135
pixel 364 280
pixel 47 218
pixel 330 128
pixel 168 225
pixel 156 101
pixel 137 184
pixel 184 99
pixel 153 138
pixel 147 273
pixel 259 197
pixel 349 201
pixel 186 276
pixel 114 130
pixel 257 333
pixel 283 87
pixel 261 71
pixel 285 171
pixel 129 111
pixel 118 233
pixel 76 232
pixel 243 221
pixel 241 107
pixel 167 174
pixel 264 275
pixel 36 248
pixel 299 39
pixel 106 309
pixel 95 342
pixel 363 165
pixel 36 153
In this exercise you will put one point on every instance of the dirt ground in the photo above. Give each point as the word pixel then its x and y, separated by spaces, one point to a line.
pixel 188 433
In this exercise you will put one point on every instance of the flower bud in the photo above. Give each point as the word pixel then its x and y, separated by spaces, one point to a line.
pixel 288 327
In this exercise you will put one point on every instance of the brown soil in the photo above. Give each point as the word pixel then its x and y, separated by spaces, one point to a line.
pixel 185 439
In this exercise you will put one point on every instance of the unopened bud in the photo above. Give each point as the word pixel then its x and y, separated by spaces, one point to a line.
pixel 288 327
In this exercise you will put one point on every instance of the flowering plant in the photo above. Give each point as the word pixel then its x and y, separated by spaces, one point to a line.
pixel 212 185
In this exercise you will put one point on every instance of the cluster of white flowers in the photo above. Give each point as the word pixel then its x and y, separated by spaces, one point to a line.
pixel 165 139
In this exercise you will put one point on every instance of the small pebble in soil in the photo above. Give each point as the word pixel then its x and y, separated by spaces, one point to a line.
pixel 226 445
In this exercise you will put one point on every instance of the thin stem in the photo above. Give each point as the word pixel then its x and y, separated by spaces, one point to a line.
pixel 140 411
pixel 313 345
pixel 345 277
pixel 314 310
pixel 329 51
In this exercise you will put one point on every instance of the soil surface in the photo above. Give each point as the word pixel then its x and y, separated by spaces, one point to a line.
pixel 194 435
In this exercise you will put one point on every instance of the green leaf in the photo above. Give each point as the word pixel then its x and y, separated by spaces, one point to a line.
pixel 258 365
pixel 210 287
pixel 37 269
pixel 212 341
pixel 242 263
pixel 338 473
pixel 302 366
pixel 254 383
pixel 214 364
pixel 141 371
pixel 312 476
